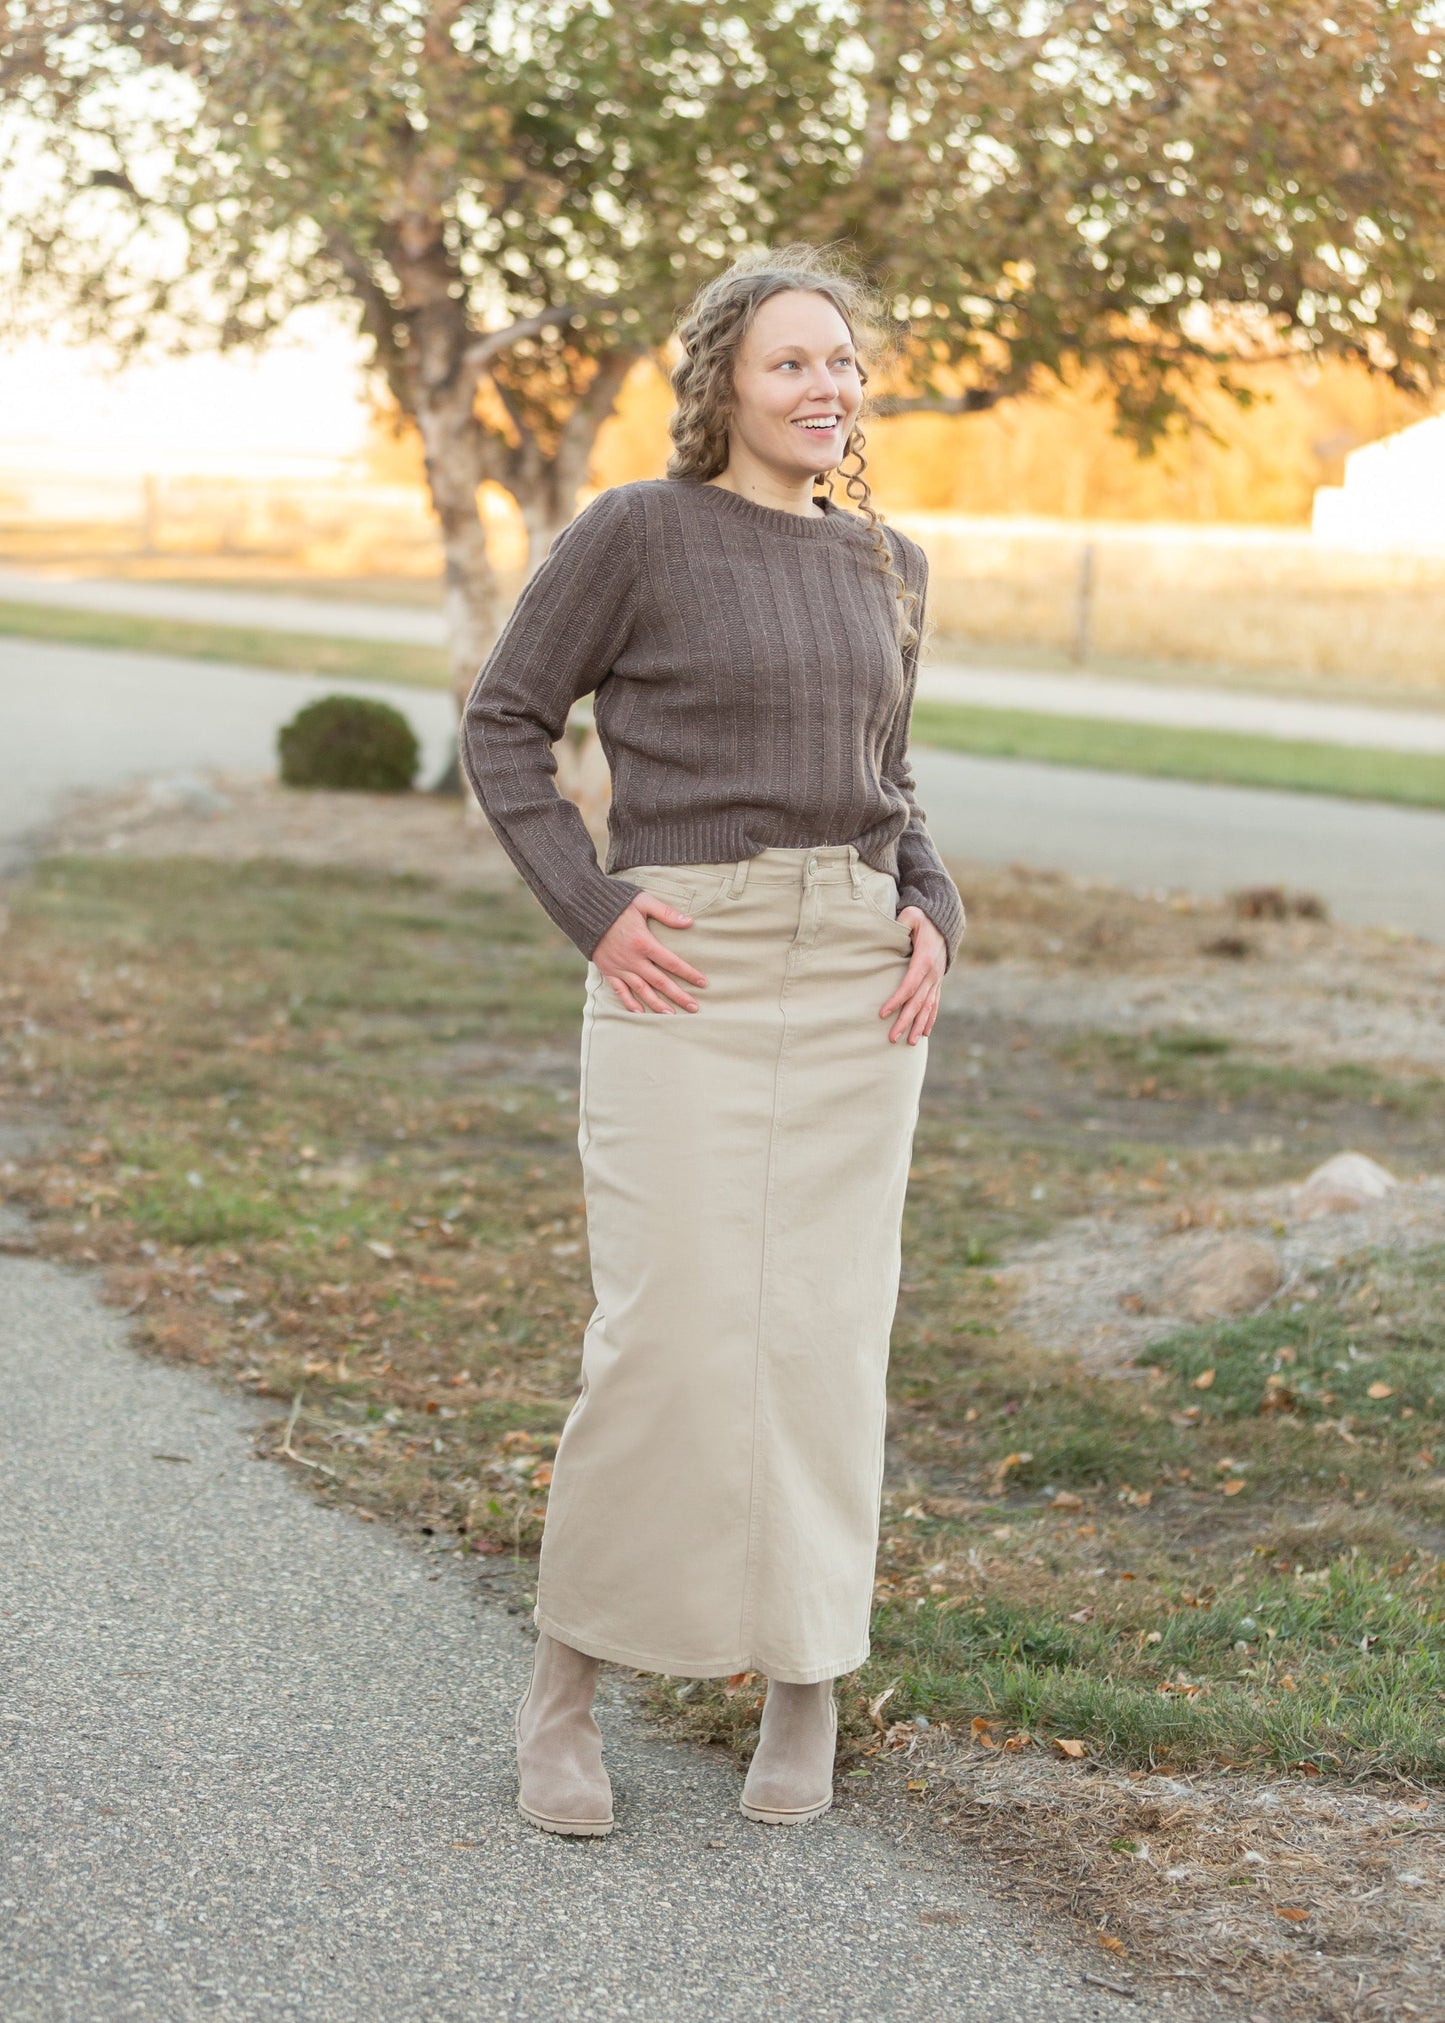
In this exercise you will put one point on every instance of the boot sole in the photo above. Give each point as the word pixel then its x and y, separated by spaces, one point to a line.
pixel 579 1828
pixel 767 1817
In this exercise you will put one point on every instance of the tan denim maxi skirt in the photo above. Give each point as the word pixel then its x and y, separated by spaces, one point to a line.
pixel 715 1496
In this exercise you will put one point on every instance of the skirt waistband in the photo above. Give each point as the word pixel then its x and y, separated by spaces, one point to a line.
pixel 778 864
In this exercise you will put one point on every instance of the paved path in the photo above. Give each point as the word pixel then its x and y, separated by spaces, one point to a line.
pixel 1374 865
pixel 1182 707
pixel 79 717
pixel 269 610
pixel 1188 707
pixel 257 1764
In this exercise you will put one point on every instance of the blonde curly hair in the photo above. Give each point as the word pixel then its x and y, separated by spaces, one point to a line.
pixel 712 329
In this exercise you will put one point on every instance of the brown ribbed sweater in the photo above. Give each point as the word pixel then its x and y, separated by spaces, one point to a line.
pixel 750 691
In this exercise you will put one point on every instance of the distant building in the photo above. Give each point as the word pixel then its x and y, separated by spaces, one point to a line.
pixel 1393 495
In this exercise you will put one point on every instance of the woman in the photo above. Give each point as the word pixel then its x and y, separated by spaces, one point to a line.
pixel 746 1118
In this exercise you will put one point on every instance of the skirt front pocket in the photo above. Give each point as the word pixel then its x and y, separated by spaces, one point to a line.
pixel 692 888
pixel 880 891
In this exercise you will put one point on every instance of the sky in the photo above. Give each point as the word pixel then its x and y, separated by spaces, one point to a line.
pixel 300 406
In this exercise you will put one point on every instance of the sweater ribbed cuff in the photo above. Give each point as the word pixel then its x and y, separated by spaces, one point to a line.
pixel 940 901
pixel 590 909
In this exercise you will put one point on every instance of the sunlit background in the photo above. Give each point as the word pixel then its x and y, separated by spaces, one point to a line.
pixel 1308 538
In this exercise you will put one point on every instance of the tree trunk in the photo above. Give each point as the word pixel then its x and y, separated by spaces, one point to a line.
pixel 472 599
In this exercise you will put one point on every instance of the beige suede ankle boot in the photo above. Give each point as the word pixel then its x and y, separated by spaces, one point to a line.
pixel 563 1787
pixel 791 1775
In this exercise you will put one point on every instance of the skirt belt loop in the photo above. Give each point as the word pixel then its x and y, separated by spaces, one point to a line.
pixel 854 872
pixel 739 878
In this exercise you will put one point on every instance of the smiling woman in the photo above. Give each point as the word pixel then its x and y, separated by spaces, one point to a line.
pixel 754 651
pixel 799 391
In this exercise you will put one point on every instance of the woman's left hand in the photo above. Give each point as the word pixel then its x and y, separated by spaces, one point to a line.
pixel 917 998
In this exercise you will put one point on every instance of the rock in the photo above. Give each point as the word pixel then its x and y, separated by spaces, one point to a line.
pixel 185 794
pixel 1342 1186
pixel 1230 1276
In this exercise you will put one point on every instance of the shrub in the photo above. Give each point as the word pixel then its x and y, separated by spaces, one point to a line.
pixel 349 742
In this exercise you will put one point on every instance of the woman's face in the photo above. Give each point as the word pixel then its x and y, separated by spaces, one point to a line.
pixel 796 387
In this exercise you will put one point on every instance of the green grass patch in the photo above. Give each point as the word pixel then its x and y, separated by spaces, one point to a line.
pixel 1351 1674
pixel 1359 1357
pixel 1228 758
pixel 245 645
pixel 1183 1065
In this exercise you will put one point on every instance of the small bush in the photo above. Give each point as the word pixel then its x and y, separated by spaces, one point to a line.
pixel 347 742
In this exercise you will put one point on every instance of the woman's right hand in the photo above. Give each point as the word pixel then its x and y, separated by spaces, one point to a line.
pixel 640 968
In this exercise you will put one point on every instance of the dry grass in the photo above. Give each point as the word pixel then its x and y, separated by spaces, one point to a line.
pixel 1306 1901
pixel 1244 597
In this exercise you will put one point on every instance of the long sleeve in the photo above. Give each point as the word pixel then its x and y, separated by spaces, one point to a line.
pixel 922 878
pixel 564 633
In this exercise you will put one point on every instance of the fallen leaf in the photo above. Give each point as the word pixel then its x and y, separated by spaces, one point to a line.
pixel 1296 1913
pixel 1108 1940
pixel 381 1250
pixel 736 1683
pixel 1023 1740
pixel 1070 1747
pixel 917 1784
pixel 1233 1487
pixel 1204 1380
pixel 1083 1615
pixel 982 1731
pixel 1380 1391
pixel 1065 1499
pixel 876 1706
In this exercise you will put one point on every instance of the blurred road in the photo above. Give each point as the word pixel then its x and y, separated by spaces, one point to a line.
pixel 265 610
pixel 259 1764
pixel 1187 707
pixel 81 718
pixel 1374 865
pixel 1180 706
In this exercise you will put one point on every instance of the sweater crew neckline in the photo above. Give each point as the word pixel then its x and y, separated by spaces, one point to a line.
pixel 809 526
